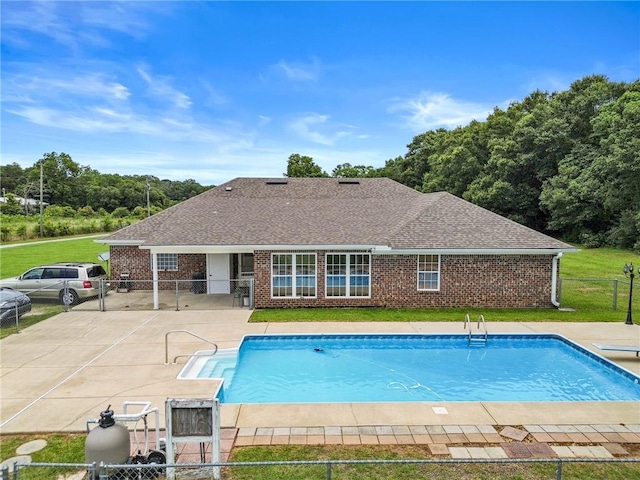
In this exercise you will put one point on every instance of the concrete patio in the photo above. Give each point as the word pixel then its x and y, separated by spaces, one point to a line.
pixel 59 373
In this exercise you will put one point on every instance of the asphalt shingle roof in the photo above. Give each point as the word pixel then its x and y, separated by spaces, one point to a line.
pixel 329 211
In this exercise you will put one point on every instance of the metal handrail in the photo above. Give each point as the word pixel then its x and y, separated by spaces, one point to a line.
pixel 166 346
pixel 467 322
pixel 484 324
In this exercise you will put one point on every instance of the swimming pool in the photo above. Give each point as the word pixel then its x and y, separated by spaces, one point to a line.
pixel 414 368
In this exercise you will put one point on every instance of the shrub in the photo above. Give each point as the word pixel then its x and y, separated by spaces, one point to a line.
pixel 107 224
pixel 63 228
pixel 49 229
pixel 86 211
pixel 5 232
pixel 21 231
pixel 120 212
pixel 58 211
pixel 140 212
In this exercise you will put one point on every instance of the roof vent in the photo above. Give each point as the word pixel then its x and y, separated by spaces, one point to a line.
pixel 277 181
pixel 348 181
pixel 228 189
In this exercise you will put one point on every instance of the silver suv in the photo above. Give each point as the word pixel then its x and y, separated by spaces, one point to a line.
pixel 67 282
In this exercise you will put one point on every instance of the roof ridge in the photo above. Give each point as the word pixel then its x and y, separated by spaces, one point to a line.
pixel 412 213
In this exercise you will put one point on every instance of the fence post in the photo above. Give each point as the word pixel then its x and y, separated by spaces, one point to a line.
pixel 559 470
pixel 17 320
pixel 615 294
pixel 102 293
pixel 328 470
pixel 4 472
pixel 103 473
pixel 66 295
pixel 177 299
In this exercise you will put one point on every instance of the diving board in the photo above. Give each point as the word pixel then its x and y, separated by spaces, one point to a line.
pixel 618 348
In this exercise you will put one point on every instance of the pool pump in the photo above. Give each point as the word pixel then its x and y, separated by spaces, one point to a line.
pixel 110 443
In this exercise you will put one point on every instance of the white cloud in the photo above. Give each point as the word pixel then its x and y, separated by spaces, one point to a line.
pixel 77 24
pixel 160 87
pixel 101 119
pixel 430 110
pixel 42 85
pixel 298 72
pixel 263 120
pixel 308 128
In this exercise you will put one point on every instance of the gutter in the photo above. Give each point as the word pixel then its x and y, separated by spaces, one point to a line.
pixel 554 279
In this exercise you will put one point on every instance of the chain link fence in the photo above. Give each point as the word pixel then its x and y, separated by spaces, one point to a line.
pixel 523 468
pixel 593 293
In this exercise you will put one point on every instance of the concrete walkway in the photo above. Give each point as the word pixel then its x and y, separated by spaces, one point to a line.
pixel 59 373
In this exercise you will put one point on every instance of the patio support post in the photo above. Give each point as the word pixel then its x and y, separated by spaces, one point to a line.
pixel 156 300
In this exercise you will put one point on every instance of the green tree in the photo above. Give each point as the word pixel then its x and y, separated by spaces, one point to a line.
pixel 456 158
pixel 11 206
pixel 13 178
pixel 303 166
pixel 62 178
pixel 346 170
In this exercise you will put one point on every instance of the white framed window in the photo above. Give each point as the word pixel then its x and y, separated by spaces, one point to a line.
pixel 348 275
pixel 428 272
pixel 167 261
pixel 293 275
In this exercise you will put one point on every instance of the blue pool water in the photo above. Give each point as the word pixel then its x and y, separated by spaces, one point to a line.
pixel 414 368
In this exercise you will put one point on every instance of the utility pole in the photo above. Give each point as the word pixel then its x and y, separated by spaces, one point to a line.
pixel 147 188
pixel 41 191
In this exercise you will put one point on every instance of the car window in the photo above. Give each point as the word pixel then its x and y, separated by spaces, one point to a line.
pixel 33 274
pixel 95 271
pixel 51 273
pixel 70 272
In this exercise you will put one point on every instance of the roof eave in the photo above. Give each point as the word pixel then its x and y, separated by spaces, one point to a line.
pixel 251 248
pixel 375 249
pixel 475 251
pixel 133 243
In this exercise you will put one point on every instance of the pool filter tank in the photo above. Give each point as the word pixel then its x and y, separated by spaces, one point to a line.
pixel 109 442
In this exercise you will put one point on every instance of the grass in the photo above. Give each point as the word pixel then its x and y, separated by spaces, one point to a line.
pixel 456 471
pixel 61 448
pixel 40 312
pixel 16 260
pixel 69 448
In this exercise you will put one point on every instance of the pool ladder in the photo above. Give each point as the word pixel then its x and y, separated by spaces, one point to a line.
pixel 480 337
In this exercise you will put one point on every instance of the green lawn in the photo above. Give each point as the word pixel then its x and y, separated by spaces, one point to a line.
pixel 16 260
pixel 69 448
pixel 403 471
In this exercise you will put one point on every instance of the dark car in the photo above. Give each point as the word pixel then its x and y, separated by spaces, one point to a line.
pixel 9 299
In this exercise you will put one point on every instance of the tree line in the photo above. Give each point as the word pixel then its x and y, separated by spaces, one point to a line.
pixel 69 187
pixel 566 163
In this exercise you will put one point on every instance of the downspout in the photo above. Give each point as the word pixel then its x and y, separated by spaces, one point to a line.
pixel 554 279
pixel 154 263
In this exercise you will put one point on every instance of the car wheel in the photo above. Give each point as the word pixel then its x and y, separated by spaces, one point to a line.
pixel 70 298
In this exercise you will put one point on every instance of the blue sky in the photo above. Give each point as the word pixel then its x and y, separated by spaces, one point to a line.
pixel 216 90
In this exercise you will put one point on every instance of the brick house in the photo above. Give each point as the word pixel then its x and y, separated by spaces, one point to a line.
pixel 327 242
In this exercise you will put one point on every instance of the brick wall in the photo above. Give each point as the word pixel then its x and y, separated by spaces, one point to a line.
pixel 137 263
pixel 465 281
